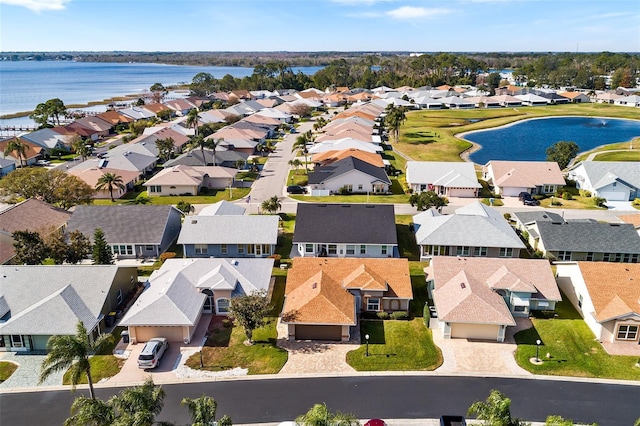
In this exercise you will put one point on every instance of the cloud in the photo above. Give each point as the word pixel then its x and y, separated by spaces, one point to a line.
pixel 360 2
pixel 38 5
pixel 411 12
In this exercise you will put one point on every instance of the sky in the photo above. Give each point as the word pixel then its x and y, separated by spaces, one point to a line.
pixel 321 25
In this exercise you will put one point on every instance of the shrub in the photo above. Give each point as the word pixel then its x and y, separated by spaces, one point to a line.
pixel 566 196
pixel 382 315
pixel 599 201
pixel 525 235
pixel 276 259
pixel 539 197
pixel 399 315
pixel 585 193
pixel 636 202
pixel 167 255
pixel 507 217
pixel 343 191
pixel 556 203
pixel 227 323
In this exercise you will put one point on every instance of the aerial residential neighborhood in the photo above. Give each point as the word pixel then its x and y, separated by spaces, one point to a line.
pixel 353 247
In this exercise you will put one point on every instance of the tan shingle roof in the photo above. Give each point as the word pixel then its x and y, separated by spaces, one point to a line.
pixel 633 219
pixel 614 288
pixel 316 291
pixel 32 215
pixel 526 173
pixel 328 157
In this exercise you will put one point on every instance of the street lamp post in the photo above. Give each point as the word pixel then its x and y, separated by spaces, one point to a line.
pixel 538 350
pixel 366 353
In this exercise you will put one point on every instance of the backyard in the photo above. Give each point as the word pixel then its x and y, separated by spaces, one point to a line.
pixel 572 347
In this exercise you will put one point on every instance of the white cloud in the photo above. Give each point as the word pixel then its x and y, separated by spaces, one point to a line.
pixel 411 12
pixel 38 5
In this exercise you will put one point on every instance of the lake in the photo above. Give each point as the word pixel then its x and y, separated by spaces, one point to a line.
pixel 529 139
pixel 25 84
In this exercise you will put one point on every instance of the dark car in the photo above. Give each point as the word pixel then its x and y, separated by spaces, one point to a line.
pixel 296 189
pixel 527 199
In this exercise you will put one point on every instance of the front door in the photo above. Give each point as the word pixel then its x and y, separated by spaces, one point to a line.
pixel 208 307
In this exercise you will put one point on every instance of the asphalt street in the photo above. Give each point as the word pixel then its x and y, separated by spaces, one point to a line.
pixel 391 397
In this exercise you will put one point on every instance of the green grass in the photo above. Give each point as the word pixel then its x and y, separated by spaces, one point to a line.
pixel 578 202
pixel 213 197
pixel 297 177
pixel 430 135
pixel 419 287
pixel 6 370
pixel 396 346
pixel 225 349
pixel 610 147
pixel 573 348
pixel 407 242
pixel 277 296
pixel 618 156
pixel 102 367
pixel 355 198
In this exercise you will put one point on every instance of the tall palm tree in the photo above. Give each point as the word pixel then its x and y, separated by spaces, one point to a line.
pixel 213 144
pixel 110 181
pixel 72 352
pixel 88 411
pixel 18 147
pixel 138 405
pixel 192 120
pixel 300 145
pixel 203 411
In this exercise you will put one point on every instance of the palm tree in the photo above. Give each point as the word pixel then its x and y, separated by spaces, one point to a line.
pixel 213 144
pixel 300 145
pixel 138 405
pixel 79 147
pixel 394 119
pixel 17 146
pixel 88 411
pixel 319 415
pixel 203 411
pixel 72 352
pixel 296 163
pixel 272 205
pixel 110 181
pixel 192 120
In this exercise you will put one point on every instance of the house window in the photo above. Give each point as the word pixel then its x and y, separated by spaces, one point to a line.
pixel 348 188
pixel 480 251
pixel 223 306
pixel 519 308
pixel 549 188
pixel 201 248
pixel 618 257
pixel 351 250
pixel 122 249
pixel 506 252
pixel 223 249
pixel 148 248
pixel 383 249
pixel 360 187
pixel 240 248
pixel 363 249
pixel 580 300
pixel 590 256
pixel 266 249
pixel 155 188
pixel 17 341
pixel 119 297
pixel 251 249
pixel 606 257
pixel 564 255
pixel 626 257
pixel 333 249
pixel 634 258
pixel 308 248
pixel 463 250
pixel 373 304
pixel 627 332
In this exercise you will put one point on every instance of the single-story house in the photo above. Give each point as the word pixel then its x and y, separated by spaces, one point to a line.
pixel 510 178
pixel 6 166
pixel 589 240
pixel 223 157
pixel 633 219
pixel 606 295
pixel 344 143
pixel 32 152
pixel 576 97
pixel 29 215
pixel 629 101
pixel 345 230
pixel 450 179
pixel 177 294
pixel 352 175
pixel 132 231
pixel 612 180
pixel 48 139
pixel 229 235
pixel 40 301
pixel 92 175
pixel 189 180
pixel 473 230
pixel 222 208
pixel 478 298
pixel 323 297
pixel 329 157
pixel 531 99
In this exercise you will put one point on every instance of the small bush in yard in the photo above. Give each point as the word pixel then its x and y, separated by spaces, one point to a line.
pixel 382 315
pixel 599 201
pixel 399 315
pixel 167 255
pixel 566 196
pixel 585 193
pixel 636 202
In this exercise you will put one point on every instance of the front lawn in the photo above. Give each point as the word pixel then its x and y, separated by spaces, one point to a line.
pixel 357 198
pixel 618 156
pixel 6 370
pixel 212 197
pixel 225 350
pixel 396 346
pixel 573 349
pixel 577 202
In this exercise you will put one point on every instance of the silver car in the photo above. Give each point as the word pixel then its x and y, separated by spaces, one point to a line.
pixel 152 352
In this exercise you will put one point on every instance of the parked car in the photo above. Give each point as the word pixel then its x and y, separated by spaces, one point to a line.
pixel 152 352
pixel 296 189
pixel 432 311
pixel 527 199
pixel 453 421
pixel 43 163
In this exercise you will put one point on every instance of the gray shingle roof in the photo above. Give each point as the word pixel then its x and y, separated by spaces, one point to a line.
pixel 345 223
pixel 194 157
pixel 444 173
pixel 537 216
pixel 50 300
pixel 340 167
pixel 233 229
pixel 589 236
pixel 602 173
pixel 134 224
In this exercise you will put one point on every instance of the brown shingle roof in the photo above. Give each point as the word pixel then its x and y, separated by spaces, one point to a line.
pixel 328 157
pixel 614 288
pixel 316 290
pixel 633 219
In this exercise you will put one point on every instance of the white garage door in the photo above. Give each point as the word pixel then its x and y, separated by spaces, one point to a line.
pixel 615 196
pixel 461 192
pixel 511 191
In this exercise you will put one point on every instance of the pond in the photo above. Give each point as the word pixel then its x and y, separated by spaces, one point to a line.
pixel 529 139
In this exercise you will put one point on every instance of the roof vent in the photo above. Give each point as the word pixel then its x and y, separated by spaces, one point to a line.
pixel 462 285
pixel 234 262
pixel 314 285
